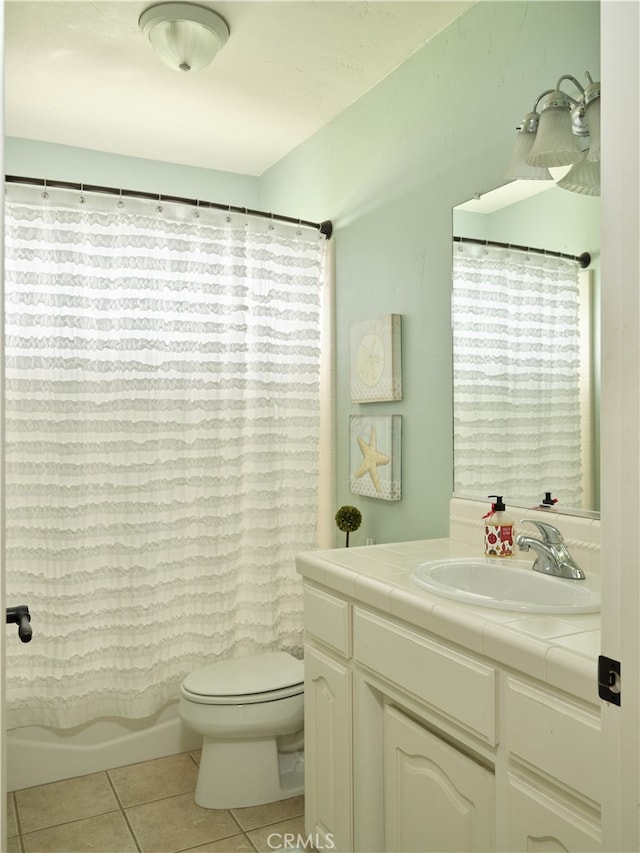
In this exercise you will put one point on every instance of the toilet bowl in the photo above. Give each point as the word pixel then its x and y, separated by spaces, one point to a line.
pixel 249 711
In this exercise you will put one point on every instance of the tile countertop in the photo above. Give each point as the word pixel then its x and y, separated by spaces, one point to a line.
pixel 560 650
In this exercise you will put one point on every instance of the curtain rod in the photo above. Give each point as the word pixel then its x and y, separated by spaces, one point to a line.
pixel 325 227
pixel 584 259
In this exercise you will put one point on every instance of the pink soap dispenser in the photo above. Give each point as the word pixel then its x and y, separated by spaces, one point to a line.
pixel 498 530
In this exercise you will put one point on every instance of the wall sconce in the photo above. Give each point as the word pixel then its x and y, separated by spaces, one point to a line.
pixel 185 36
pixel 565 132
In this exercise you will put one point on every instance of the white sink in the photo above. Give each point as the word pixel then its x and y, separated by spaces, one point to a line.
pixel 505 584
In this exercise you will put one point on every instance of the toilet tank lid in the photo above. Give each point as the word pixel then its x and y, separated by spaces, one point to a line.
pixel 241 676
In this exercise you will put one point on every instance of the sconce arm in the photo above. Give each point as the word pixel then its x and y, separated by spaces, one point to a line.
pixel 540 97
pixel 575 83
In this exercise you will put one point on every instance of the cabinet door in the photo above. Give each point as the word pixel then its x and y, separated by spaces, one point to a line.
pixel 436 798
pixel 328 768
pixel 539 823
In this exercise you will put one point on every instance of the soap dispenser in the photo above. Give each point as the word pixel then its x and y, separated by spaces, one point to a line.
pixel 498 530
pixel 547 502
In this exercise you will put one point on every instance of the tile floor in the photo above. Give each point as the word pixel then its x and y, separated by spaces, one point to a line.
pixel 143 808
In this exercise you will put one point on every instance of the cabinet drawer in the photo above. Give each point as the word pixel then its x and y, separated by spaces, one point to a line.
pixel 328 619
pixel 454 684
pixel 560 738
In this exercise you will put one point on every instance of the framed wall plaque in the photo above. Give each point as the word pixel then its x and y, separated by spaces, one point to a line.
pixel 374 456
pixel 375 349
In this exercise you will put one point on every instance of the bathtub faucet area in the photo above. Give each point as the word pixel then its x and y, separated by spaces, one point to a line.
pixel 21 617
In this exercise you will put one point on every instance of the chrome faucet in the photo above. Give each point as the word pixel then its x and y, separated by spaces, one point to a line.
pixel 553 557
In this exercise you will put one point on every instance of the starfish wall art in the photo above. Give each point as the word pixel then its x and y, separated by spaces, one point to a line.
pixel 374 456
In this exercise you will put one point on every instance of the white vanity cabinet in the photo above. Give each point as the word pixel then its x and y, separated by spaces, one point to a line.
pixel 328 719
pixel 436 799
pixel 538 821
pixel 553 781
pixel 414 743
pixel 424 719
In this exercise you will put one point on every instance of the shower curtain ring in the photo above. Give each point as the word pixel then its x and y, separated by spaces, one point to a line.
pixel 120 200
pixel 196 213
pixel 271 225
pixel 44 193
pixel 228 216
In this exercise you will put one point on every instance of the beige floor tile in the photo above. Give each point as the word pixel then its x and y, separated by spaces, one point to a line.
pixel 235 844
pixel 253 817
pixel 107 833
pixel 12 845
pixel 61 802
pixel 279 836
pixel 177 823
pixel 154 780
pixel 12 826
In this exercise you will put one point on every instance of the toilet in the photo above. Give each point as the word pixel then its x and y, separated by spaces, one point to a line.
pixel 249 711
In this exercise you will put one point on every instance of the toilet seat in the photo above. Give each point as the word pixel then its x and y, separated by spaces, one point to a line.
pixel 251 679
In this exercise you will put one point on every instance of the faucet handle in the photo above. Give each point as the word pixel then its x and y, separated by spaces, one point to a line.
pixel 549 534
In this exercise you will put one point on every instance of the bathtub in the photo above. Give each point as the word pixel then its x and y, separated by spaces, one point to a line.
pixel 37 755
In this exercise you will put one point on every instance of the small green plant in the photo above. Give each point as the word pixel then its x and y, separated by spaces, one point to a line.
pixel 348 519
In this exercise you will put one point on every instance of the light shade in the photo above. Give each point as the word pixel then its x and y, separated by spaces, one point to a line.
pixel 564 136
pixel 555 143
pixel 583 177
pixel 185 36
pixel 519 166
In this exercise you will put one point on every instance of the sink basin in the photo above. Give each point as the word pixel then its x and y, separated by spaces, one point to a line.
pixel 505 585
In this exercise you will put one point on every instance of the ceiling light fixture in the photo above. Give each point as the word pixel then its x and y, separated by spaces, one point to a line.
pixel 185 36
pixel 566 132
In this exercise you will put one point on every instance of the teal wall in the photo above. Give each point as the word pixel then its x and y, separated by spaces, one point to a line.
pixel 31 159
pixel 556 219
pixel 388 171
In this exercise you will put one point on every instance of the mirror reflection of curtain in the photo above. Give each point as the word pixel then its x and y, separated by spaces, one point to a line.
pixel 518 376
pixel 162 445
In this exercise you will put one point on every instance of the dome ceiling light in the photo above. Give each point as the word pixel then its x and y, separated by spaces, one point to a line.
pixel 185 36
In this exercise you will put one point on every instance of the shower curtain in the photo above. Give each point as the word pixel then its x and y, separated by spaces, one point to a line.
pixel 162 444
pixel 520 375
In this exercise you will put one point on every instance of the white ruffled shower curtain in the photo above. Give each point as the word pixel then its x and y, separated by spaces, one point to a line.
pixel 518 375
pixel 162 444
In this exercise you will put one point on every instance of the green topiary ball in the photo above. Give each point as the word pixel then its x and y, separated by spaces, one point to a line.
pixel 348 519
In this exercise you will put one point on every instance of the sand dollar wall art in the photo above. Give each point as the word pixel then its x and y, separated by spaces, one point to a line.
pixel 375 360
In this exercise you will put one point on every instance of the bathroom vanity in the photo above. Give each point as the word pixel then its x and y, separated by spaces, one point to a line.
pixel 432 725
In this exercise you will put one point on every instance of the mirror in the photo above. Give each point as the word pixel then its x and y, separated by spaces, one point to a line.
pixel 534 214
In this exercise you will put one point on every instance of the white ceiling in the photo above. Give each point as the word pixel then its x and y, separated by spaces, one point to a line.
pixel 81 74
